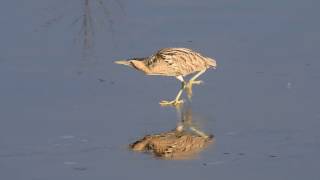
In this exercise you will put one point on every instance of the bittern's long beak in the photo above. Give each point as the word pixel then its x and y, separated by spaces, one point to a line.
pixel 123 62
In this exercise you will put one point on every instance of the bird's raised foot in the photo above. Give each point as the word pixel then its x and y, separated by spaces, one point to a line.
pixel 171 103
pixel 196 82
pixel 189 85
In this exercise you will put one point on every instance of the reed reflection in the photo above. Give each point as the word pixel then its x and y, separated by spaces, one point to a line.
pixel 87 27
pixel 185 141
pixel 93 15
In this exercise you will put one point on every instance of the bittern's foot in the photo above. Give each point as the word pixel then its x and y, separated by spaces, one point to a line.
pixel 171 103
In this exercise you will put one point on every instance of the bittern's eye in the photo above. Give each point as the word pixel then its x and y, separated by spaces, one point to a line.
pixel 132 64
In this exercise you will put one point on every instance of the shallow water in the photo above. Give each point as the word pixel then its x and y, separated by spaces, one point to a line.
pixel 67 112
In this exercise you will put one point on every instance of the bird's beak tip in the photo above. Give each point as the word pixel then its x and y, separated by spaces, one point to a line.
pixel 123 62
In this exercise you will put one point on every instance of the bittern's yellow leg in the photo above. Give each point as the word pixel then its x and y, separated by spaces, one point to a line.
pixel 177 100
pixel 193 81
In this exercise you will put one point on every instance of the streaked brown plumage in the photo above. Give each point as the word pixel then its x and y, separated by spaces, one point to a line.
pixel 177 62
pixel 175 144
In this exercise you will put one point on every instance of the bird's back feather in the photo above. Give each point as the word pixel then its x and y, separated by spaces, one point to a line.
pixel 178 61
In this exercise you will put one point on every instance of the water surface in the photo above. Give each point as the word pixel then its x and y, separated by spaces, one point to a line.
pixel 67 112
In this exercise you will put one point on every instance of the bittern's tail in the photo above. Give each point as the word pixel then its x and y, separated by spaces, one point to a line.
pixel 123 62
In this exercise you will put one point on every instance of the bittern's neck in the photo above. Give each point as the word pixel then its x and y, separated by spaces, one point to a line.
pixel 140 65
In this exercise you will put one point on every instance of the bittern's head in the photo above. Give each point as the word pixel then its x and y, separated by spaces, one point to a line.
pixel 136 63
pixel 212 63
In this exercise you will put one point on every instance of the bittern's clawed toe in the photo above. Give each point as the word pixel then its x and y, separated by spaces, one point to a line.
pixel 171 103
pixel 196 82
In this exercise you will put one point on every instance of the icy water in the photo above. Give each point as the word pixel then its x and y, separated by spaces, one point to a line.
pixel 68 112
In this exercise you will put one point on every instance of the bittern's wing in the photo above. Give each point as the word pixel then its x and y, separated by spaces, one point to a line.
pixel 179 61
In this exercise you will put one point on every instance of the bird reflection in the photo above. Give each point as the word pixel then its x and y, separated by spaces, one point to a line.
pixel 183 142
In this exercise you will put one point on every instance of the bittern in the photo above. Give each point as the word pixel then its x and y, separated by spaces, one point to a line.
pixel 177 62
pixel 175 144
